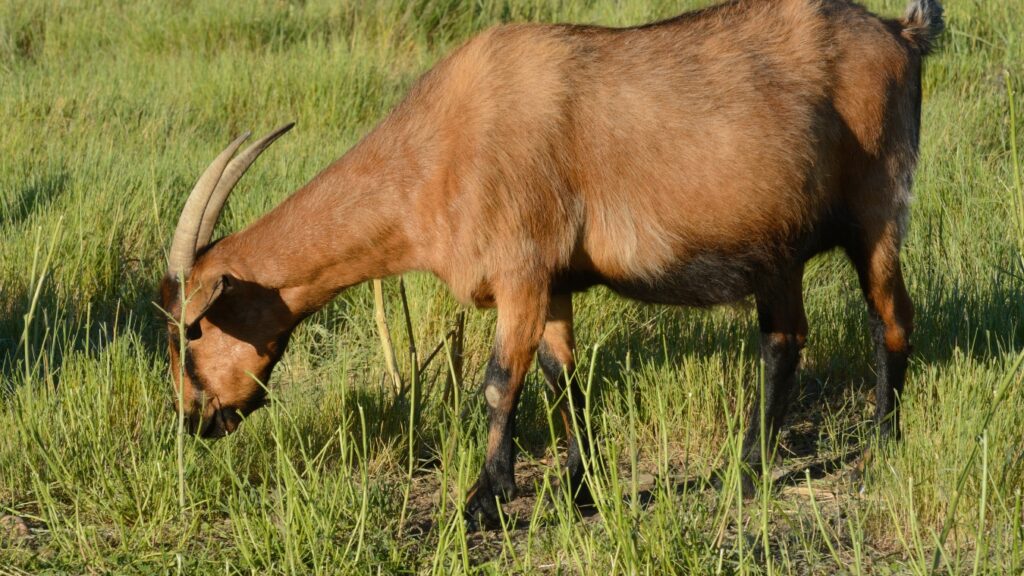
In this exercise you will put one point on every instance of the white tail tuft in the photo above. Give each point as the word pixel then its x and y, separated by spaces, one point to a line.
pixel 923 23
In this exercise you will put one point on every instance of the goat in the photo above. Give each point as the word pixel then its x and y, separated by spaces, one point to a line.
pixel 693 161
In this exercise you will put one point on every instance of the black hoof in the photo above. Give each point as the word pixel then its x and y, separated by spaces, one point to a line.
pixel 582 496
pixel 579 499
pixel 578 492
pixel 483 511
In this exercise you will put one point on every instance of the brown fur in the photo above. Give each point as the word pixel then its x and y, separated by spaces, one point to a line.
pixel 693 161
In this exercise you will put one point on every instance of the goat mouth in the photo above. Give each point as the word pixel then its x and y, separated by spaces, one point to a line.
pixel 209 427
pixel 222 422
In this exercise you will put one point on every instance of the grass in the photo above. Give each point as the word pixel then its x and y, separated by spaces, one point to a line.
pixel 112 109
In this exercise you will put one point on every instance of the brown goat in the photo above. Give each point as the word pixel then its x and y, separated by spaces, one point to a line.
pixel 693 161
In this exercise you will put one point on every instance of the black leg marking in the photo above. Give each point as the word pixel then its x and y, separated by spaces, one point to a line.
pixel 892 371
pixel 783 325
pixel 497 479
pixel 501 416
pixel 781 355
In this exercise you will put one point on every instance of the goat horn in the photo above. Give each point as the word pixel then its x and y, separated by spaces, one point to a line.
pixel 229 178
pixel 183 246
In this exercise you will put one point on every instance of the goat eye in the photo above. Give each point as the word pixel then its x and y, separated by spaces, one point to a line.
pixel 193 332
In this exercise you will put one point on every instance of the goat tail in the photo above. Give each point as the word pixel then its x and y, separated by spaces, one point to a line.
pixel 922 24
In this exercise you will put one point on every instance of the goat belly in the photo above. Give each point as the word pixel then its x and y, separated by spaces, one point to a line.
pixel 704 280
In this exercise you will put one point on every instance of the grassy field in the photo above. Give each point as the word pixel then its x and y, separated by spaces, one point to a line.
pixel 109 112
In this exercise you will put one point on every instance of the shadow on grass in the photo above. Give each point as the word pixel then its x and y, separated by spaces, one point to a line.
pixel 35 349
pixel 35 196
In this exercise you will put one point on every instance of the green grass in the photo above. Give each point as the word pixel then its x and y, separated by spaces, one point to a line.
pixel 110 112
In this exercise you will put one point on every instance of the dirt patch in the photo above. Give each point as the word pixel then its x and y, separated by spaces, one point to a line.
pixel 14 529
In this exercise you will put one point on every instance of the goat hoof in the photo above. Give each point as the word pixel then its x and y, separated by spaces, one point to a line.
pixel 483 512
pixel 481 516
pixel 578 492
pixel 581 495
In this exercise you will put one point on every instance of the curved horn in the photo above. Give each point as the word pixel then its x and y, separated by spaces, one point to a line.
pixel 229 178
pixel 183 246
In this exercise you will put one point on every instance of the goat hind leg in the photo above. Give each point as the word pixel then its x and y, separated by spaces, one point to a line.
pixel 891 314
pixel 783 326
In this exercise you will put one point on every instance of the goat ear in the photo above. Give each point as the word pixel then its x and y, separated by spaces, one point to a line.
pixel 204 293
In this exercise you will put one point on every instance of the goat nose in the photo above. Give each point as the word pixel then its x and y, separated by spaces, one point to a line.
pixel 193 423
pixel 213 429
pixel 221 423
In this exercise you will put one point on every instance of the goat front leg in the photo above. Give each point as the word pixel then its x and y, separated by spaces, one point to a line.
pixel 521 315
pixel 558 362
